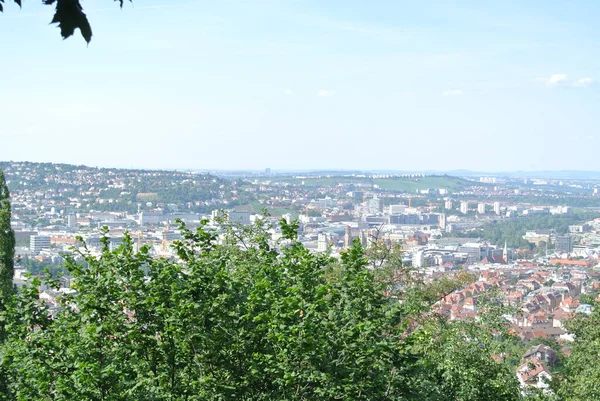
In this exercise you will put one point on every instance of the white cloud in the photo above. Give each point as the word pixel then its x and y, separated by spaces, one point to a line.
pixel 583 82
pixel 288 92
pixel 453 92
pixel 325 93
pixel 554 79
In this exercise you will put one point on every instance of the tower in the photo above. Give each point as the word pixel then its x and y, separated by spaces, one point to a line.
pixel 348 237
pixel 442 221
pixel 505 253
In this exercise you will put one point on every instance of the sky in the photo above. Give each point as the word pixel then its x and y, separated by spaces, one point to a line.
pixel 305 84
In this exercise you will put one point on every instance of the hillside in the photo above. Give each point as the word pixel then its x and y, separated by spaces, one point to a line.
pixel 386 183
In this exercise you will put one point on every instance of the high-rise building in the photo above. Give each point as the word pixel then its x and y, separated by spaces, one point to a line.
pixel 564 244
pixel 464 207
pixel 322 242
pixel 38 242
pixel 497 208
pixel 442 221
pixel 448 205
pixel 374 205
pixel 72 221
pixel 481 208
pixel 348 237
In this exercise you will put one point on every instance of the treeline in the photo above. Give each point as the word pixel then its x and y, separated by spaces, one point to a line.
pixel 513 230
pixel 37 267
pixel 545 200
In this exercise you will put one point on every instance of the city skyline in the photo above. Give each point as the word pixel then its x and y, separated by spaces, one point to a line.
pixel 305 86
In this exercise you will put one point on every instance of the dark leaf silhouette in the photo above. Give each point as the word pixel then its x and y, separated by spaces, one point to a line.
pixel 16 1
pixel 69 16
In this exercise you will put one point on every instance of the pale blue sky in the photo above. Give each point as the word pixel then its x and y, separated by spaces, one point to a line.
pixel 306 84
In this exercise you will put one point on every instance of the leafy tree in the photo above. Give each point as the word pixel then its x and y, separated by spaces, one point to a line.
pixel 69 16
pixel 7 253
pixel 581 370
pixel 236 317
pixel 7 239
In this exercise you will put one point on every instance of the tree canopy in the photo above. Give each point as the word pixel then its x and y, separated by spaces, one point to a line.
pixel 7 238
pixel 69 16
pixel 235 317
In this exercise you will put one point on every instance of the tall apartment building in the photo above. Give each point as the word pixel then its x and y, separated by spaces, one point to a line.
pixel 564 243
pixel 38 242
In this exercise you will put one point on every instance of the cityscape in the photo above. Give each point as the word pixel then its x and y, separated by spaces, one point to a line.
pixel 299 200
pixel 545 267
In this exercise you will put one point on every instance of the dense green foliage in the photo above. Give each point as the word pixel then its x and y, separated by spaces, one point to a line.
pixel 7 253
pixel 582 372
pixel 240 321
pixel 513 230
pixel 7 239
pixel 36 267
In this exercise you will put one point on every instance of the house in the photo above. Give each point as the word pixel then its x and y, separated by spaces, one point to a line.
pixel 553 300
pixel 584 308
pixel 559 317
pixel 469 304
pixel 569 304
pixel 542 353
pixel 534 373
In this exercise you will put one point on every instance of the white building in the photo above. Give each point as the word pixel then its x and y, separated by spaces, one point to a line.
pixel 38 242
pixel 397 209
pixel 534 373
pixel 322 242
pixel 464 207
pixel 481 208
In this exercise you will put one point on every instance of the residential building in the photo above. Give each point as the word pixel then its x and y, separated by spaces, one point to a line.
pixel 38 242
pixel 564 244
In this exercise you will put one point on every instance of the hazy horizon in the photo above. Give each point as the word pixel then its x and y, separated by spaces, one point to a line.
pixel 343 85
pixel 558 174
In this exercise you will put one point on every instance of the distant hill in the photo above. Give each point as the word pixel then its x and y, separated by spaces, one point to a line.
pixel 390 183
